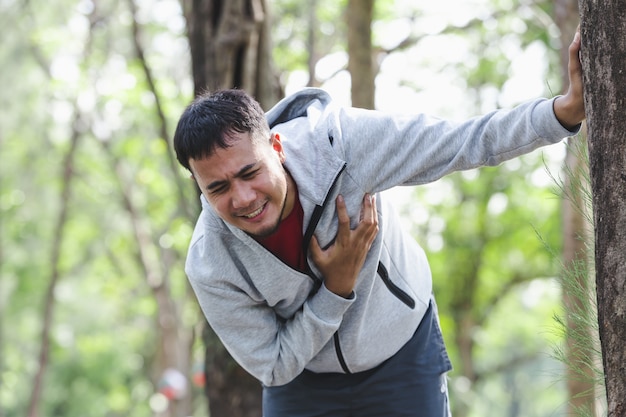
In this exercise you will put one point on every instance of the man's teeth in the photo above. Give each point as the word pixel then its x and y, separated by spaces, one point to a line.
pixel 254 213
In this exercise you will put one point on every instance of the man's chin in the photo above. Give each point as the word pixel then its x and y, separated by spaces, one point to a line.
pixel 264 232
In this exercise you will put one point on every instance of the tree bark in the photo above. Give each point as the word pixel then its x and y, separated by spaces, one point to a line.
pixel 232 392
pixel 603 30
pixel 360 60
pixel 312 44
pixel 230 47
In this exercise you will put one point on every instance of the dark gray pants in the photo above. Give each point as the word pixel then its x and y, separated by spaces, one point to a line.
pixel 410 384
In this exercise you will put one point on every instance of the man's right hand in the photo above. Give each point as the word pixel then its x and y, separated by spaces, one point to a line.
pixel 342 261
pixel 569 109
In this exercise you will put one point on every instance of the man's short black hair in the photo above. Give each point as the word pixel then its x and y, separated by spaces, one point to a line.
pixel 209 121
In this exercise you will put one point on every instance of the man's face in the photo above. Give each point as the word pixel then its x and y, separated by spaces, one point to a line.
pixel 246 184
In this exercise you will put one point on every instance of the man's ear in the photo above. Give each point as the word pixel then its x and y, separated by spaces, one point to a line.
pixel 195 181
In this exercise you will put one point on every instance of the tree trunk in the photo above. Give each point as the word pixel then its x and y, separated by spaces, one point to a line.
pixel 231 48
pixel 360 62
pixel 580 385
pixel 67 177
pixel 603 29
pixel 231 391
pixel 312 44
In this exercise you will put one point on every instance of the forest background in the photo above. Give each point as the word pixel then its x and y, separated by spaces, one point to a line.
pixel 97 318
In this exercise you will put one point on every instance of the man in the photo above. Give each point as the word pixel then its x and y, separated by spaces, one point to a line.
pixel 304 271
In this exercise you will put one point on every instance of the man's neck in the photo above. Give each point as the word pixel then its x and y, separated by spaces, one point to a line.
pixel 290 198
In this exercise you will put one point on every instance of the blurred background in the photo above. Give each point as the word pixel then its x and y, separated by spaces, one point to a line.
pixel 97 318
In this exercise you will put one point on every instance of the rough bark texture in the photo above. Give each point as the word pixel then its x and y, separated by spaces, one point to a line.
pixel 603 29
pixel 230 47
pixel 231 391
pixel 360 62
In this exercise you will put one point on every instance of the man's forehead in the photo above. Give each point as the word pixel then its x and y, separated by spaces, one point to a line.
pixel 226 163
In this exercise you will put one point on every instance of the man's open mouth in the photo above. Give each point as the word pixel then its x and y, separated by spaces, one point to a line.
pixel 254 213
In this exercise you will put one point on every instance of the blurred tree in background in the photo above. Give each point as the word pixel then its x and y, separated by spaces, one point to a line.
pixel 97 318
pixel 95 212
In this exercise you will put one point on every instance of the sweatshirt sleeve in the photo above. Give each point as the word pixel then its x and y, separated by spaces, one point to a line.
pixel 396 150
pixel 272 349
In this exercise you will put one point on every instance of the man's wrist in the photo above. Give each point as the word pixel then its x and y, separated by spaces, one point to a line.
pixel 342 292
pixel 566 114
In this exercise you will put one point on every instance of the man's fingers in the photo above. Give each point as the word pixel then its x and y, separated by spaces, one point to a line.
pixel 368 221
pixel 373 209
pixel 316 250
pixel 342 211
pixel 343 232
pixel 366 208
pixel 369 213
pixel 368 225
pixel 574 53
pixel 575 90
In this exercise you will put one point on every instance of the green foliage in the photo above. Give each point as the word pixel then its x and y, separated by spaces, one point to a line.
pixel 292 21
pixel 577 324
pixel 71 69
pixel 494 281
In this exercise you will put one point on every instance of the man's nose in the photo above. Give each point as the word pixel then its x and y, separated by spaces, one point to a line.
pixel 242 195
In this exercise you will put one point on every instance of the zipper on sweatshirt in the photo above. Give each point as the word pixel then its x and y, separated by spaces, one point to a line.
pixel 308 235
pixel 393 288
pixel 315 218
pixel 340 358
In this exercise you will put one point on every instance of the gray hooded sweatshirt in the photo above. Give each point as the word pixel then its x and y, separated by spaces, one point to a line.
pixel 276 321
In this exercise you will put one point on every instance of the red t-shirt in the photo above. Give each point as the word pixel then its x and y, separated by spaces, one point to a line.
pixel 286 242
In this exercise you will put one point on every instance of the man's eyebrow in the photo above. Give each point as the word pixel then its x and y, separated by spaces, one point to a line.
pixel 216 184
